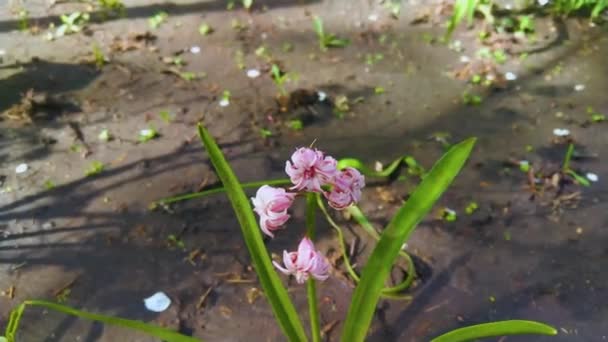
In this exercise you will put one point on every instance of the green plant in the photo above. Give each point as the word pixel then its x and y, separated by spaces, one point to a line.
pixel 566 7
pixel 99 57
pixel 327 40
pixel 72 23
pixel 205 29
pixel 280 78
pixel 147 134
pixel 23 16
pixel 370 286
pixel 10 333
pixel 95 168
pixel 112 7
pixel 566 169
pixel 158 19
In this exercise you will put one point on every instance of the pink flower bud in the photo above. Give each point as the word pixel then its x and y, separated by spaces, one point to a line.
pixel 346 188
pixel 310 169
pixel 304 263
pixel 271 205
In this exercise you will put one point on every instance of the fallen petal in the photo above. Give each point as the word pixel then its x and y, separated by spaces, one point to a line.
pixel 592 177
pixel 158 302
pixel 253 73
pixel 21 168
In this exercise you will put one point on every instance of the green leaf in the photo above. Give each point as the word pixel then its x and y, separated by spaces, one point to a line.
pixel 247 3
pixel 317 25
pixel 503 328
pixel 162 333
pixel 462 8
pixel 276 293
pixel 397 232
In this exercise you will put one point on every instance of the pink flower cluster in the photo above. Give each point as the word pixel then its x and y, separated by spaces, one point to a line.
pixel 310 170
pixel 304 263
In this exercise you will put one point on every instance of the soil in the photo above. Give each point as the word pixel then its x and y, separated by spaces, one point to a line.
pixel 93 242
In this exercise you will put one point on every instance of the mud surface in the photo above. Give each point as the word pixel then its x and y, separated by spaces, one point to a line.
pixel 93 242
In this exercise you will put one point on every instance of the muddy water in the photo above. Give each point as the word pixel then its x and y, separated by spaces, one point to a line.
pixel 513 258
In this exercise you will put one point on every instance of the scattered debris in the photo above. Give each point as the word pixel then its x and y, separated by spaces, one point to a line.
pixel 253 73
pixel 561 132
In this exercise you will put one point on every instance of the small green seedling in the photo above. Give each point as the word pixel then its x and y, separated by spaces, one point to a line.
pixel 471 208
pixel 24 20
pixel 373 58
pixel 287 47
pixel 595 117
pixel 105 135
pixel 295 125
pixel 471 99
pixel 147 134
pixel 247 3
pixel 280 78
pixel 174 241
pixel 499 56
pixel 72 23
pixel 264 53
pixel 112 8
pixel 158 19
pixel 524 166
pixel 49 184
pixel 449 215
pixel 205 29
pixel 63 295
pixel 99 57
pixel 225 98
pixel 327 40
pixel 95 168
pixel 166 116
pixel 265 133
pixel 566 169
pixel 413 167
pixel 379 90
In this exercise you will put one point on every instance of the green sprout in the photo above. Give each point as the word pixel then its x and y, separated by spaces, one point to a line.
pixel 379 90
pixel 295 125
pixel 247 3
pixel 595 116
pixel 166 116
pixel 413 167
pixel 204 29
pixel 265 133
pixel 95 168
pixel 158 19
pixel 280 78
pixel 24 20
pixel 174 241
pixel 471 208
pixel 373 58
pixel 105 135
pixel 49 184
pixel 471 99
pixel 327 40
pixel 72 23
pixel 569 171
pixel 524 166
pixel 99 57
pixel 449 215
pixel 147 134
pixel 112 7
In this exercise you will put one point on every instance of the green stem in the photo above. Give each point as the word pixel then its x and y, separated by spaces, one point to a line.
pixel 568 157
pixel 315 328
pixel 218 190
pixel 388 292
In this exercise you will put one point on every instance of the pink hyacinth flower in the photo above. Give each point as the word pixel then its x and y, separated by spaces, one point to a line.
pixel 271 205
pixel 304 263
pixel 347 188
pixel 310 169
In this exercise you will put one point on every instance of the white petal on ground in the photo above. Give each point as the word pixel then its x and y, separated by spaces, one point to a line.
pixel 158 302
pixel 561 132
pixel 145 132
pixel 509 76
pixel 372 17
pixel 464 59
pixel 543 2
pixel 579 87
pixel 224 102
pixel 21 168
pixel 592 177
pixel 321 96
pixel 195 49
pixel 253 73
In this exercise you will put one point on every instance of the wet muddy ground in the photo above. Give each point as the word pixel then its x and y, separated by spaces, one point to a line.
pixel 92 242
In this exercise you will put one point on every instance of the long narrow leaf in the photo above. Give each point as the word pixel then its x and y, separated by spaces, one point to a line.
pixel 276 293
pixel 378 267
pixel 165 334
pixel 503 328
